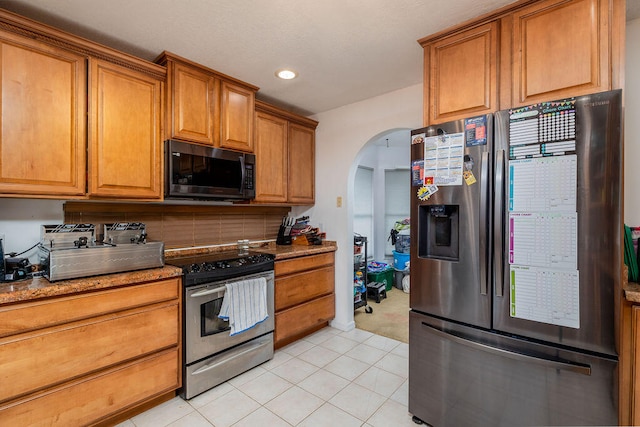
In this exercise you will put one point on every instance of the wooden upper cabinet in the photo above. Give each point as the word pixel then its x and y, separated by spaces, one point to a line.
pixel 285 156
pixel 43 123
pixel 271 158
pixel 193 104
pixel 208 107
pixel 301 177
pixel 236 117
pixel 125 157
pixel 461 74
pixel 560 49
pixel 526 52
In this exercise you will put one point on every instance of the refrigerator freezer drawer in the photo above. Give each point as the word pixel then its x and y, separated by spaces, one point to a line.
pixel 464 376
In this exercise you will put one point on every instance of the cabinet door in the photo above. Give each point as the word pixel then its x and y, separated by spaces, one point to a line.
pixel 560 49
pixel 271 158
pixel 462 74
pixel 236 117
pixel 43 122
pixel 194 97
pixel 302 159
pixel 125 139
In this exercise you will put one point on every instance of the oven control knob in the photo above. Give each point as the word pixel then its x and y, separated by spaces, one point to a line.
pixel 209 266
pixel 194 268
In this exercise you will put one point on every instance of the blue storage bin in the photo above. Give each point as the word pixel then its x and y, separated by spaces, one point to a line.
pixel 400 261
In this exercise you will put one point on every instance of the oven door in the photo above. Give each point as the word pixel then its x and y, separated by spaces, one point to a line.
pixel 205 333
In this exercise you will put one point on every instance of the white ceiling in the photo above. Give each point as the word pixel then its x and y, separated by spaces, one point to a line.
pixel 344 50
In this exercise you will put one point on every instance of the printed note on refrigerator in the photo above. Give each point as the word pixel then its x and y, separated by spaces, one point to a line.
pixel 443 159
pixel 545 129
pixel 545 184
pixel 545 295
pixel 544 239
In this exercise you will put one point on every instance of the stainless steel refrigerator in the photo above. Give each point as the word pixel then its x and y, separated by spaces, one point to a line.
pixel 516 225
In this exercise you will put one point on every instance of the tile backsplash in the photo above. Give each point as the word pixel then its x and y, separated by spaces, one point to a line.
pixel 184 226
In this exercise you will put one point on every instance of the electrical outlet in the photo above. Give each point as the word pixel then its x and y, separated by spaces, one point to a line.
pixel 339 202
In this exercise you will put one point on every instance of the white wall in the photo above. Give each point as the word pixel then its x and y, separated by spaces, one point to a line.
pixel 20 221
pixel 340 137
pixel 632 126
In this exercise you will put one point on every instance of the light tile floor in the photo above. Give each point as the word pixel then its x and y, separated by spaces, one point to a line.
pixel 330 378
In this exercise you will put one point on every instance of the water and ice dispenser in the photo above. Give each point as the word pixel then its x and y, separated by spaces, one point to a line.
pixel 438 232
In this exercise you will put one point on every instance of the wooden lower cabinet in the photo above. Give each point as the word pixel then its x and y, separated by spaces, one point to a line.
pixel 304 296
pixel 89 356
pixel 629 365
pixel 98 397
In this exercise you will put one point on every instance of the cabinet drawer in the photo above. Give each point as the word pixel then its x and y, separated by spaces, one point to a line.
pixel 303 263
pixel 95 398
pixel 304 316
pixel 30 316
pixel 302 287
pixel 44 358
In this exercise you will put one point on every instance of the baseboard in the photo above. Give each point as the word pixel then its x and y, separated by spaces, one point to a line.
pixel 343 326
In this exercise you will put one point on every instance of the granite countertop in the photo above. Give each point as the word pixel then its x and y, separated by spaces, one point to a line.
pixel 292 251
pixel 280 251
pixel 632 292
pixel 39 287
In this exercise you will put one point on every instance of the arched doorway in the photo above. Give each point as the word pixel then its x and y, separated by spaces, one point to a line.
pixel 380 197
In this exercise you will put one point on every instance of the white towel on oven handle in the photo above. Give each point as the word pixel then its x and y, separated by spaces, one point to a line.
pixel 244 304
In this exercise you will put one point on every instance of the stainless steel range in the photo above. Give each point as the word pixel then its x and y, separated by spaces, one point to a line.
pixel 211 355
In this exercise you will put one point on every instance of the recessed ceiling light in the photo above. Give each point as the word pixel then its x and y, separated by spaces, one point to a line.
pixel 286 74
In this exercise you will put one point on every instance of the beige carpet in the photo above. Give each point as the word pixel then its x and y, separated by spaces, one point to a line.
pixel 390 318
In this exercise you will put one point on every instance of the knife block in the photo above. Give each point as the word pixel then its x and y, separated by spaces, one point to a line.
pixel 284 236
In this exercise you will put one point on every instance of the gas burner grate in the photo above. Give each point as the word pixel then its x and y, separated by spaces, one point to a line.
pixel 221 266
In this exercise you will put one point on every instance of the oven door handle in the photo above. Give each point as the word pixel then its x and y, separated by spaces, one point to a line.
pixel 208 292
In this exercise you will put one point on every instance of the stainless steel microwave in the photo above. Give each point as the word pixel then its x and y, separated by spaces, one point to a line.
pixel 199 172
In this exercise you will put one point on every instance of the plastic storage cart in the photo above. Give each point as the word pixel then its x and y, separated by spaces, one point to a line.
pixel 360 280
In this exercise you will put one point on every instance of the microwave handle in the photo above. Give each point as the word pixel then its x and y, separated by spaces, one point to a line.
pixel 244 172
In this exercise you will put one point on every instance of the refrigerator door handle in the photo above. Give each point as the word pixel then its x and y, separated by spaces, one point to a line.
pixel 554 364
pixel 484 210
pixel 498 250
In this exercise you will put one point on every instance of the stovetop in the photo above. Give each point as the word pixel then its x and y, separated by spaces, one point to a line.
pixel 225 265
